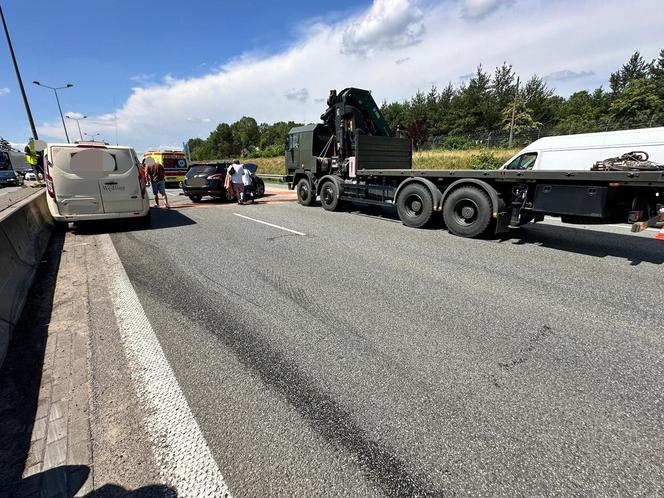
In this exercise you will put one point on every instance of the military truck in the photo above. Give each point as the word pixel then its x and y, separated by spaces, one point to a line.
pixel 354 156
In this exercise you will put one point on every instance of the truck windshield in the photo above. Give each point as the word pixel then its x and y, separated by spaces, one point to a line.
pixel 174 163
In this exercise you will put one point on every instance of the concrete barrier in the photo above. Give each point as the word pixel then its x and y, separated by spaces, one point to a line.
pixel 25 229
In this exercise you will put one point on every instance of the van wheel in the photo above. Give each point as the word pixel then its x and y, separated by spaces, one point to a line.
pixel 415 205
pixel 329 196
pixel 305 195
pixel 60 226
pixel 467 212
pixel 196 198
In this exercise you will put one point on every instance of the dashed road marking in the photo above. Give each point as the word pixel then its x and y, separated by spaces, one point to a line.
pixel 184 458
pixel 269 224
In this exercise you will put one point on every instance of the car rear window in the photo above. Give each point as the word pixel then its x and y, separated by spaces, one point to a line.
pixel 206 169
pixel 4 161
pixel 91 160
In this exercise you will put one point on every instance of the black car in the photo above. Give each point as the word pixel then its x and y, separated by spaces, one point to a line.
pixel 8 175
pixel 208 179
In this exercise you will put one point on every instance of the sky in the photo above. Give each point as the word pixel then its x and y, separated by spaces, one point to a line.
pixel 155 73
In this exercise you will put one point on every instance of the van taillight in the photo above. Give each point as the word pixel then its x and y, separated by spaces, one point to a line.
pixel 49 186
pixel 141 182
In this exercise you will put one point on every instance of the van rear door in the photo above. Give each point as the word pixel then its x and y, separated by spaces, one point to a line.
pixel 75 184
pixel 120 188
pixel 94 179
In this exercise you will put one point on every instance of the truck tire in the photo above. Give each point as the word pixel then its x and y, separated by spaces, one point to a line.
pixel 305 193
pixel 467 212
pixel 415 205
pixel 329 196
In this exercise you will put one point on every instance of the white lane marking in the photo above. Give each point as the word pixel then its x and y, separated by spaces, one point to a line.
pixel 269 224
pixel 185 461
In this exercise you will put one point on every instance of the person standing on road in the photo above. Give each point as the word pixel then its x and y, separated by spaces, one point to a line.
pixel 237 171
pixel 158 180
pixel 248 183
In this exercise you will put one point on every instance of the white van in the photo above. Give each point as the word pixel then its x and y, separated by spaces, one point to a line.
pixel 94 181
pixel 582 151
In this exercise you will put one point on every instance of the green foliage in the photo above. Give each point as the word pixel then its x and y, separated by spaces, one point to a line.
pixel 485 160
pixel 243 138
pixel 457 143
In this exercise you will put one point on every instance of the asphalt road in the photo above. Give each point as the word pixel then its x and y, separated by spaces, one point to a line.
pixel 355 356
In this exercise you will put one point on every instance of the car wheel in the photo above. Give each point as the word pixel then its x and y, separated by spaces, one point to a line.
pixel 195 198
pixel 259 191
pixel 467 212
pixel 305 194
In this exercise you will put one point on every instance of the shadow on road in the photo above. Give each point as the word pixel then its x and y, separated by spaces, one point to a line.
pixel 21 372
pixel 595 243
pixel 67 480
pixel 159 219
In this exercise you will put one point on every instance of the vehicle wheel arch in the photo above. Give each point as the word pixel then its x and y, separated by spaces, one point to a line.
pixel 436 194
pixel 328 178
pixel 497 202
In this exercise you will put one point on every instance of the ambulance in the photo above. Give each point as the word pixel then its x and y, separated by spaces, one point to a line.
pixel 174 163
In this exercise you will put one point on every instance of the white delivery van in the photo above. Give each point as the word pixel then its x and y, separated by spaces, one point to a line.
pixel 582 151
pixel 94 181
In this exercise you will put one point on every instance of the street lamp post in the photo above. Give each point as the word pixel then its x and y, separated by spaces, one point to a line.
pixel 55 91
pixel 78 124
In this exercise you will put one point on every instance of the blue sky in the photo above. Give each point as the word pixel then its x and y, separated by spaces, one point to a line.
pixel 171 70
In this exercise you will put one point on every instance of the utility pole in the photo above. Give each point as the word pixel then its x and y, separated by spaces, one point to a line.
pixel 516 96
pixel 18 77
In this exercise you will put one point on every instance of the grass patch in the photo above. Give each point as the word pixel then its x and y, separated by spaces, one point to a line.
pixel 430 159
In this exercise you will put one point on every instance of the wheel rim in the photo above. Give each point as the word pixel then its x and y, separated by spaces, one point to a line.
pixel 304 192
pixel 414 205
pixel 328 195
pixel 466 212
pixel 260 190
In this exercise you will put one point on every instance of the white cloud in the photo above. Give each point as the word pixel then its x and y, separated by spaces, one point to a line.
pixel 388 24
pixel 4 91
pixel 300 95
pixel 477 9
pixel 538 37
pixel 567 75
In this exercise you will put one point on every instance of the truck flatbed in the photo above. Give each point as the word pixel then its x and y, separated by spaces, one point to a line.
pixel 633 178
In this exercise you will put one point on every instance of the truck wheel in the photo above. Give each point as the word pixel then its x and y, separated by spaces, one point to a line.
pixel 467 212
pixel 415 205
pixel 329 196
pixel 305 195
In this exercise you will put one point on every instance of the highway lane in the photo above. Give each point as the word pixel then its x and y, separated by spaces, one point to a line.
pixel 367 358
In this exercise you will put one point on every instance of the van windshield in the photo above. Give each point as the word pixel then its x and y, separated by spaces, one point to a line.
pixel 91 160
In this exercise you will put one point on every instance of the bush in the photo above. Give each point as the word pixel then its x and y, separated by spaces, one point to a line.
pixel 485 160
pixel 457 143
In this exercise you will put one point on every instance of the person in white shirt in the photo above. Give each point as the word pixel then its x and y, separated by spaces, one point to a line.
pixel 237 171
pixel 248 183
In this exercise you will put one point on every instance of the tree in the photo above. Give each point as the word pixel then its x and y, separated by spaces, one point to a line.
pixel 635 68
pixel 638 105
